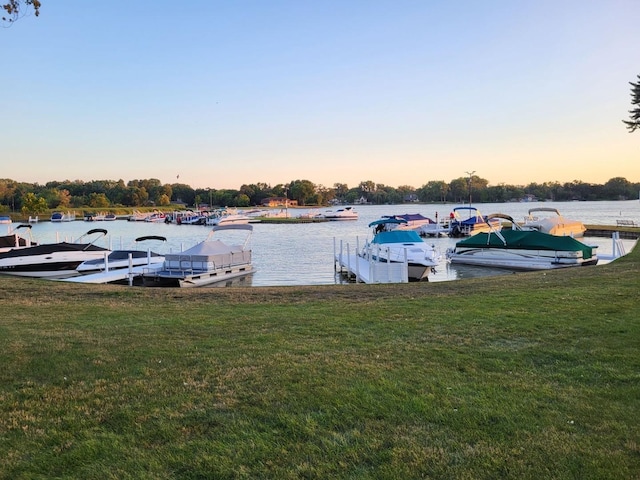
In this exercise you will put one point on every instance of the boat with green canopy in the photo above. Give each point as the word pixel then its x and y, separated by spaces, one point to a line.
pixel 518 249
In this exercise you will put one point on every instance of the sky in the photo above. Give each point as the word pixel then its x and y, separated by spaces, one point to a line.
pixel 217 94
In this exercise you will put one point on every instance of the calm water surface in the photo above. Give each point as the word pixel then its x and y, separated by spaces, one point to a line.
pixel 302 254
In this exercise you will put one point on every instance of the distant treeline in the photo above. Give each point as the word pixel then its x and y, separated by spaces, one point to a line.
pixel 32 198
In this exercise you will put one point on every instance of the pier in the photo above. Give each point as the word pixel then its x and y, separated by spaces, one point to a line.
pixel 624 232
pixel 367 268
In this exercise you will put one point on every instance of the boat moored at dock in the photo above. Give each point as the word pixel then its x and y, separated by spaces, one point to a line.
pixel 517 249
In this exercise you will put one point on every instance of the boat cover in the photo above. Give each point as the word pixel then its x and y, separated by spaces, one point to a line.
pixel 387 220
pixel 208 255
pixel 50 248
pixel 413 217
pixel 526 239
pixel 397 236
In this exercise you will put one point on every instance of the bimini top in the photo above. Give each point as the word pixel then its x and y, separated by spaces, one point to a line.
pixel 527 239
pixel 387 220
pixel 412 217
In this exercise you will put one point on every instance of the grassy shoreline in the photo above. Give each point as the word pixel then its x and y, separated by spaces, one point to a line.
pixel 533 375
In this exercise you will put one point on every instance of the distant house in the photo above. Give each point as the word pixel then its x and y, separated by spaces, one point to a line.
pixel 279 202
pixel 361 201
pixel 411 198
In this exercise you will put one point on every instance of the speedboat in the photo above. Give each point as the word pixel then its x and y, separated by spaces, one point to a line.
pixel 53 260
pixel 474 223
pixel 15 240
pixel 391 244
pixel 208 262
pixel 346 213
pixel 123 259
pixel 228 219
pixel 425 226
pixel 190 218
pixel 155 217
pixel 413 221
pixel 519 249
pixel 553 224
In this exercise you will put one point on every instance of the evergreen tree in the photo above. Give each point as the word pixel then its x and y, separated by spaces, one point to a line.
pixel 635 112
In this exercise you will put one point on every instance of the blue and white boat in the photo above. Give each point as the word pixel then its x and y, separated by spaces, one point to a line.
pixel 392 244
pixel 461 225
pixel 63 217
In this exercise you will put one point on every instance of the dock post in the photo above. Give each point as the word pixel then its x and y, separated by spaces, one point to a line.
pixel 130 269
pixel 357 261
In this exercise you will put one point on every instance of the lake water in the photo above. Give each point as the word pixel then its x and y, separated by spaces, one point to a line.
pixel 302 254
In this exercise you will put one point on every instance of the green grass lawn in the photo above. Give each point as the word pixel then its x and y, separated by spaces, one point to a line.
pixel 527 376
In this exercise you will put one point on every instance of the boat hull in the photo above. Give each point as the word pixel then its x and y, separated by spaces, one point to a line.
pixel 49 264
pixel 519 259
pixel 46 266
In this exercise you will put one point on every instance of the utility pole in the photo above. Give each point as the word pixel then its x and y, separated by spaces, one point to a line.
pixel 470 175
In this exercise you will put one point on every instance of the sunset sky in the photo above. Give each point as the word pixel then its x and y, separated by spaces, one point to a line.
pixel 399 92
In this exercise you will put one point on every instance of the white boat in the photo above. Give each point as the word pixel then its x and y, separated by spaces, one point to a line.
pixel 63 217
pixel 346 213
pixel 95 217
pixel 461 225
pixel 155 217
pixel 518 249
pixel 15 240
pixel 53 260
pixel 412 221
pixel 123 259
pixel 425 226
pixel 5 219
pixel 138 216
pixel 188 217
pixel 390 244
pixel 208 262
pixel 228 219
pixel 554 224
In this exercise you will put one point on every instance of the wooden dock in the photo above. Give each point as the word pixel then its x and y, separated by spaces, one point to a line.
pixel 626 233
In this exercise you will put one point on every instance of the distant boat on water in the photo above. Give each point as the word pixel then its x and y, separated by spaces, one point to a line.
pixel 63 217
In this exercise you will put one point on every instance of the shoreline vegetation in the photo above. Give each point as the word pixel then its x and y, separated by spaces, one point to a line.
pixel 532 375
pixel 33 199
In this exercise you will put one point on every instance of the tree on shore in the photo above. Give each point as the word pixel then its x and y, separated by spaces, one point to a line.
pixel 32 204
pixel 634 123
pixel 15 9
